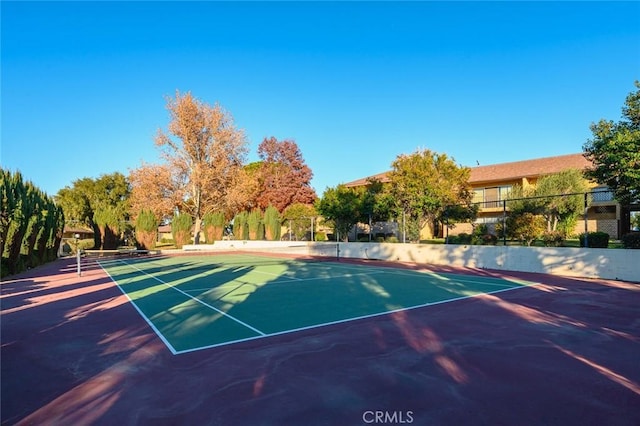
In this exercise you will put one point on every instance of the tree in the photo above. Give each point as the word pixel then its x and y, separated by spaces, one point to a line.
pixel 105 199
pixel 562 210
pixel 298 218
pixel 181 229
pixel 153 188
pixel 205 151
pixel 147 229
pixel 341 206
pixel 255 223
pixel 272 224
pixel 376 201
pixel 424 183
pixel 213 223
pixel 525 227
pixel 240 226
pixel 284 178
pixel 614 152
pixel 31 224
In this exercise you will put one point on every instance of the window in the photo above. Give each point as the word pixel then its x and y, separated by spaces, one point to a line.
pixel 491 197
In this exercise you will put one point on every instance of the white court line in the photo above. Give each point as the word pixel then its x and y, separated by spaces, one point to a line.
pixel 448 278
pixel 297 280
pixel 148 321
pixel 196 299
pixel 377 314
pixel 346 320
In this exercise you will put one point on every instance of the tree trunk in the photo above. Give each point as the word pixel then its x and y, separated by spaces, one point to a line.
pixel 196 230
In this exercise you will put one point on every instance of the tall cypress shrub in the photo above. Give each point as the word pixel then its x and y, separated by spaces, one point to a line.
pixel 213 226
pixel 240 228
pixel 147 230
pixel 272 224
pixel 181 229
pixel 25 223
pixel 255 224
pixel 107 221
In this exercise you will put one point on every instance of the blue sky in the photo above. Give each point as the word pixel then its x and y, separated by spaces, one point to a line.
pixel 353 83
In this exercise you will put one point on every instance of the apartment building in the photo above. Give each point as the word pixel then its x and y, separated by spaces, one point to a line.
pixel 492 183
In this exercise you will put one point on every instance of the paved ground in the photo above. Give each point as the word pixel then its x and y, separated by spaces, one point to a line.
pixel 567 351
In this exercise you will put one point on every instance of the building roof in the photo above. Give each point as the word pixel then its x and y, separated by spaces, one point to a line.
pixel 528 168
pixel 507 171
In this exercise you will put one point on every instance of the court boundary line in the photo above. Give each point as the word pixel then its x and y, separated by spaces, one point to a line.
pixel 202 302
pixel 352 319
pixel 262 335
pixel 164 340
pixel 299 280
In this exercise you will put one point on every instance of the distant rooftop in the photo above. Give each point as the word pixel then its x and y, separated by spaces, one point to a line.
pixel 507 171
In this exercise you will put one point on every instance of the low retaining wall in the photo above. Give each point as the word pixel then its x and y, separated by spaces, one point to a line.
pixel 616 264
pixel 578 262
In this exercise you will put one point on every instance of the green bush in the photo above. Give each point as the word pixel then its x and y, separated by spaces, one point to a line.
pixel 240 228
pixel 553 239
pixel 181 229
pixel 595 239
pixel 213 224
pixel 461 238
pixel 392 239
pixel 631 240
pixel 147 230
pixel 272 224
pixel 256 225
pixel 320 236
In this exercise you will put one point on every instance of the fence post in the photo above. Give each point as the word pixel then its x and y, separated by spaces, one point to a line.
pixel 586 224
pixel 504 222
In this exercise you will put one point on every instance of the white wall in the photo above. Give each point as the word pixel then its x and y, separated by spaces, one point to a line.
pixel 578 262
pixel 618 264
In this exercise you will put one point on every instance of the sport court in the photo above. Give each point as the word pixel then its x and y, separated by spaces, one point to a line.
pixel 202 301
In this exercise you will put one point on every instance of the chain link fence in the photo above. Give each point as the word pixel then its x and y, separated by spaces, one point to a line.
pixel 550 219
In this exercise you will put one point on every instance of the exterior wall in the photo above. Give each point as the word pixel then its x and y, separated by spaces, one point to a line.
pixel 615 264
pixel 590 263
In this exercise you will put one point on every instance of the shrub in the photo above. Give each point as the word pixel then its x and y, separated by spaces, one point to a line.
pixel 320 236
pixel 181 229
pixel 461 238
pixel 213 224
pixel 255 224
pixel 553 239
pixel 525 227
pixel 272 224
pixel 631 240
pixel 147 230
pixel 392 239
pixel 240 229
pixel 595 239
pixel 481 236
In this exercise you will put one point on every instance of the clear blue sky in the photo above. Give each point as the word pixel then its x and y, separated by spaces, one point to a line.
pixel 353 83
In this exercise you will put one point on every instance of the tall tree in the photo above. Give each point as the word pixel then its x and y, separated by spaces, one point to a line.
pixel 342 207
pixel 425 183
pixel 284 177
pixel 564 199
pixel 105 198
pixel 614 151
pixel 30 224
pixel 153 188
pixel 206 151
pixel 298 218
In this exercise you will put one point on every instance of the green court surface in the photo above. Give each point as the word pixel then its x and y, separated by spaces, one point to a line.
pixel 198 302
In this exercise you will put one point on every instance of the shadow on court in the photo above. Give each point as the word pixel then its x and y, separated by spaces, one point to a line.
pixel 75 351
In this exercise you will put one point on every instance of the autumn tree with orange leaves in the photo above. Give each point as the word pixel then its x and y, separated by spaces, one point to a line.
pixel 284 178
pixel 204 154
